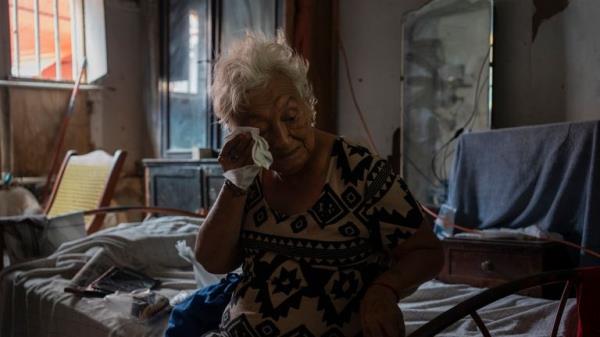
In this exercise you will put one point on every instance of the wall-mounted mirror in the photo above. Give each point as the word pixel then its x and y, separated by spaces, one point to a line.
pixel 447 76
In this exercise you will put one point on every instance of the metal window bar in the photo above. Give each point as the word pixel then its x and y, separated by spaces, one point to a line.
pixel 74 39
pixel 15 32
pixel 36 30
pixel 57 55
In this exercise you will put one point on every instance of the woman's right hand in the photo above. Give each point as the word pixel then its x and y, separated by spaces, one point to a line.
pixel 237 152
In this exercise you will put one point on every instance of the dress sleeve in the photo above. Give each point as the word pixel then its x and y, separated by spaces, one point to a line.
pixel 393 213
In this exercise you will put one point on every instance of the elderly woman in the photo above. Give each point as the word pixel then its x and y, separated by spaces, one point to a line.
pixel 329 238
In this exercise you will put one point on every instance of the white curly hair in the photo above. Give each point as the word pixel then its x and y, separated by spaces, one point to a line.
pixel 250 63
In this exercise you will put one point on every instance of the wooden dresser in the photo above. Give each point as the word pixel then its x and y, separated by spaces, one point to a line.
pixel 487 263
pixel 192 185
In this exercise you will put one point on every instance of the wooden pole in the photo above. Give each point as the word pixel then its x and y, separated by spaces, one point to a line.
pixel 5 146
pixel 61 137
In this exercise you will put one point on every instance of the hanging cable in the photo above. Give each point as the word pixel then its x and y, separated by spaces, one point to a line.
pixel 471 230
pixel 479 86
pixel 354 100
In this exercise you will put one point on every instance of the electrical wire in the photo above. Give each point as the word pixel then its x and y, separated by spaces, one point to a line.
pixel 478 90
pixel 439 150
pixel 354 100
pixel 471 230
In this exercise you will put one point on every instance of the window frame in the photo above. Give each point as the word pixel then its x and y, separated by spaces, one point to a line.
pixel 81 33
pixel 214 136
pixel 214 131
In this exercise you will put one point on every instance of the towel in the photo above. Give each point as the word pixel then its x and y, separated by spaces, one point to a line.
pixel 544 175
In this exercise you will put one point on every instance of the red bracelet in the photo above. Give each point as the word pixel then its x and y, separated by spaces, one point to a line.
pixel 389 287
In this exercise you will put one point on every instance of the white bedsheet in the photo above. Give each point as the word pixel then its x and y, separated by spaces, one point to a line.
pixel 514 316
pixel 33 304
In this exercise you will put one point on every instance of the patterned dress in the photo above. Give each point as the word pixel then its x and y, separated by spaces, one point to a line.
pixel 305 274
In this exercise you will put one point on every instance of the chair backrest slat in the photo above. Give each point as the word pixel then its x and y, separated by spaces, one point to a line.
pixel 85 182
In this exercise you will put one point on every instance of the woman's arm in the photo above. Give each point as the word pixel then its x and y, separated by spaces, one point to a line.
pixel 217 242
pixel 415 261
pixel 217 247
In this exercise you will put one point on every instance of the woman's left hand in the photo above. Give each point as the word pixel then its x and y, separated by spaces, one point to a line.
pixel 380 314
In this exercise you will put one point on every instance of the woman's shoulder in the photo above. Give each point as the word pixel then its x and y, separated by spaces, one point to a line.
pixel 352 151
pixel 355 163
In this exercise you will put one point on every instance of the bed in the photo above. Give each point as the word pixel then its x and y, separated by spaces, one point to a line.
pixel 33 303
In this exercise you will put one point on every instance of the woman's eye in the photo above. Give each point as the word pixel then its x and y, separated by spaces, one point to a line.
pixel 291 115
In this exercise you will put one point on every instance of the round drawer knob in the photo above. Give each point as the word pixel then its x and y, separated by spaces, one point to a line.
pixel 487 265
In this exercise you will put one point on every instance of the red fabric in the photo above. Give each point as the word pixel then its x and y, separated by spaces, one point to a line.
pixel 588 302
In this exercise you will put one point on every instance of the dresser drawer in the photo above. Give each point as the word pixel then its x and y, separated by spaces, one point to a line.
pixel 487 263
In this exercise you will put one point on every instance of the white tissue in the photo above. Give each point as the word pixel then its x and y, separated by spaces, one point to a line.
pixel 180 297
pixel 202 277
pixel 244 176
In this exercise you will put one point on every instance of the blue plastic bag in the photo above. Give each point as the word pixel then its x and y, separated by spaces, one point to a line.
pixel 201 312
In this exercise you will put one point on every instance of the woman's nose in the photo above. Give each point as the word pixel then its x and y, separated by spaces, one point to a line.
pixel 279 137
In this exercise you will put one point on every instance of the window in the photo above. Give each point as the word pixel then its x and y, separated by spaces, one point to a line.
pixel 192 34
pixel 50 39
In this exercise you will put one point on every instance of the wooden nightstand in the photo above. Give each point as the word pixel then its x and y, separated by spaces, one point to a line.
pixel 487 263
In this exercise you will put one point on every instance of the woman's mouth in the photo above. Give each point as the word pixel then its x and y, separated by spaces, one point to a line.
pixel 285 155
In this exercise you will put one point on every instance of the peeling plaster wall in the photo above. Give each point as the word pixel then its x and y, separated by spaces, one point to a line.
pixel 582 50
pixel 554 79
pixel 371 34
pixel 35 115
pixel 529 76
pixel 122 120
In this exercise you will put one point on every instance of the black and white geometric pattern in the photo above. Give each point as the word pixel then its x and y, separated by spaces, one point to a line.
pixel 305 275
pixel 349 229
pixel 299 224
pixel 260 216
pixel 328 208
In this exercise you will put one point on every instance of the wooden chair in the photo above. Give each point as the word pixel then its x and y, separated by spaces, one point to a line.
pixel 85 182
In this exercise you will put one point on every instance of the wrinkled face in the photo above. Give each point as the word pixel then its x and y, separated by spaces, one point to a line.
pixel 284 120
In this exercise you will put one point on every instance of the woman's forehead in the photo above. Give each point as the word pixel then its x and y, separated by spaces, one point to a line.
pixel 275 94
pixel 278 85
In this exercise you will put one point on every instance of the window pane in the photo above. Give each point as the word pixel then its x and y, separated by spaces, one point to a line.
pixel 66 54
pixel 242 15
pixel 26 41
pixel 25 63
pixel 188 67
pixel 13 15
pixel 47 40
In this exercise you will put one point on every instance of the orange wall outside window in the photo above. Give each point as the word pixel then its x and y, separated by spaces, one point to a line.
pixel 26 27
